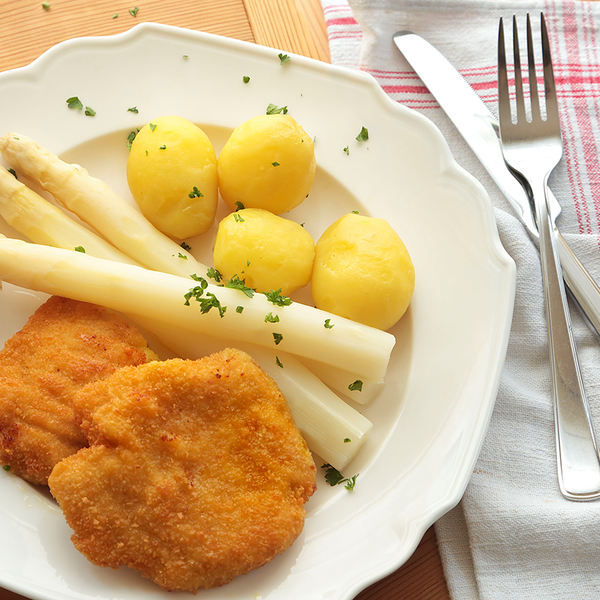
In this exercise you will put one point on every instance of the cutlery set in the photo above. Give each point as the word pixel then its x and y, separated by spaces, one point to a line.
pixel 519 153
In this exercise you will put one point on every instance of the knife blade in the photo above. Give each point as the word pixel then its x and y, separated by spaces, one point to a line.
pixel 479 128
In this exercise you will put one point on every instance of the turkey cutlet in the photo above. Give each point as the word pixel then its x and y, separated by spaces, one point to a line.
pixel 65 345
pixel 195 474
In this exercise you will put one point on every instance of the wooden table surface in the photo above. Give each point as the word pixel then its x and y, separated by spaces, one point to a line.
pixel 27 29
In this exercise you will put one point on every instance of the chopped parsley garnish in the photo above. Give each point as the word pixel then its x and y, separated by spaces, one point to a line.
pixel 89 111
pixel 134 11
pixel 275 164
pixel 197 291
pixel 115 15
pixel 355 212
pixel 74 102
pixel 328 324
pixel 363 136
pixel 271 318
pixel 275 297
pixel 196 193
pixel 245 79
pixel 152 126
pixel 347 150
pixel 277 337
pixel 182 256
pixel 6 467
pixel 239 206
pixel 46 5
pixel 206 302
pixel 333 477
pixel 273 109
pixel 131 137
pixel 79 249
pixel 133 109
pixel 185 246
pixel 214 274
pixel 239 309
pixel 278 362
pixel 13 173
pixel 283 58
pixel 347 440
pixel 238 218
pixel 356 386
pixel 240 284
pixel 163 147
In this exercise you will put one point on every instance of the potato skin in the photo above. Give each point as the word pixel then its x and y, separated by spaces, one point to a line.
pixel 268 162
pixel 266 250
pixel 170 159
pixel 363 271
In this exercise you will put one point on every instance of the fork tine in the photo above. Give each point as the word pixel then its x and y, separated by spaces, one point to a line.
pixel 503 94
pixel 533 87
pixel 520 96
pixel 549 83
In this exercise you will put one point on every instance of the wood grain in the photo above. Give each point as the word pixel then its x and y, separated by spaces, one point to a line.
pixel 290 25
pixel 298 26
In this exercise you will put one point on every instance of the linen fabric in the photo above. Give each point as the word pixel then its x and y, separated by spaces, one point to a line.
pixel 512 535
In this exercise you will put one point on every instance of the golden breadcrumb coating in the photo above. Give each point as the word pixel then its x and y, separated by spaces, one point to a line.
pixel 196 472
pixel 65 345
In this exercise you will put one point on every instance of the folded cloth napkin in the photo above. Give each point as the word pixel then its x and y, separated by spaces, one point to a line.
pixel 513 535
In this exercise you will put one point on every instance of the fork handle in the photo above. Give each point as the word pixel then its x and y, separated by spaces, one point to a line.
pixel 577 451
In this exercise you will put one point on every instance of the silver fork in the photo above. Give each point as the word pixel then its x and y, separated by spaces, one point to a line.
pixel 533 149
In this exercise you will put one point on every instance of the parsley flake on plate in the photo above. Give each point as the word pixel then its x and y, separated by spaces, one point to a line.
pixel 333 477
pixel 74 102
pixel 273 109
pixel 363 136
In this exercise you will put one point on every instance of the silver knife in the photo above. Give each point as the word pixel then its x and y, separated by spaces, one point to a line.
pixel 479 128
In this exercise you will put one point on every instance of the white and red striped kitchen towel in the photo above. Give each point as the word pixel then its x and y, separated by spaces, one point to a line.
pixel 512 536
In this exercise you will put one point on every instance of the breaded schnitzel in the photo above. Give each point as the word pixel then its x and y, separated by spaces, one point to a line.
pixel 196 472
pixel 65 345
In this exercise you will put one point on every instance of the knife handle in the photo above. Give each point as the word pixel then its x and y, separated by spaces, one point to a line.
pixel 583 288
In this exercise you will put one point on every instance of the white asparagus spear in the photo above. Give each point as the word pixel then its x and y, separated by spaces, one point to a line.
pixel 344 382
pixel 43 223
pixel 331 428
pixel 296 329
pixel 98 206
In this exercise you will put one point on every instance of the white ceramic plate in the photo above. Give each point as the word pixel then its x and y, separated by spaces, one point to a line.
pixel 430 420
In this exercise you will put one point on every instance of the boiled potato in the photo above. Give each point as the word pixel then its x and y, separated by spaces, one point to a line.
pixel 172 175
pixel 268 251
pixel 268 162
pixel 363 271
